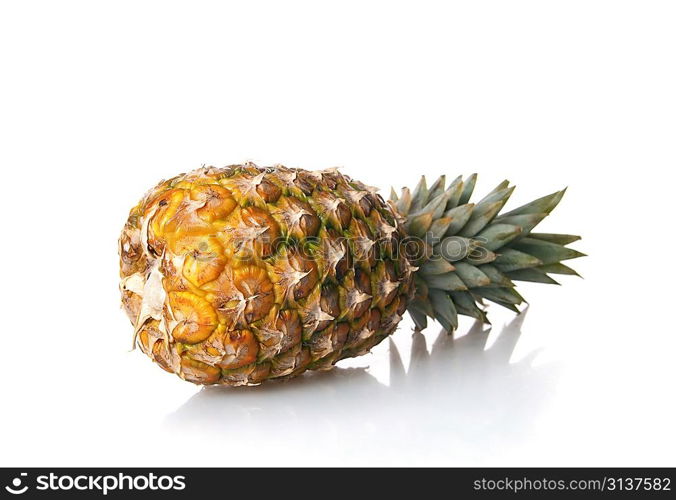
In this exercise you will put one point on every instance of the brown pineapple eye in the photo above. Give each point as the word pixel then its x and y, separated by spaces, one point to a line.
pixel 340 333
pixel 304 263
pixel 195 316
pixel 288 323
pixel 161 212
pixel 241 349
pixel 362 282
pixel 268 191
pixel 343 215
pixel 198 372
pixel 260 373
pixel 205 262
pixel 218 201
pixel 256 287
pixel 259 231
pixel 161 355
pixel 300 219
pixel 374 320
pixel 330 304
pixel 366 204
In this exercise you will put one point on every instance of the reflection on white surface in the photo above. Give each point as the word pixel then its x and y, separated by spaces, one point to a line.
pixel 454 397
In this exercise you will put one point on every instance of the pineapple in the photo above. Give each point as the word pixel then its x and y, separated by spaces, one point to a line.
pixel 242 274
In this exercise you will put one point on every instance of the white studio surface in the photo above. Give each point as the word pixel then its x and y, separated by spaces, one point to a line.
pixel 99 101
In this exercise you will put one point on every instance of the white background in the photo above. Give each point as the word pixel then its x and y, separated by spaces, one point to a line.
pixel 100 100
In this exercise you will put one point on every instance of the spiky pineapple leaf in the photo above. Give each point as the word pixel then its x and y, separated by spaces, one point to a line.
pixel 419 224
pixel 497 277
pixel 418 315
pixel 446 281
pixel 560 239
pixel 420 194
pixel 498 235
pixel 511 260
pixel 459 217
pixel 558 268
pixel 403 203
pixel 438 187
pixel 436 266
pixel 444 309
pixel 466 305
pixel 439 227
pixel 481 216
pixel 471 275
pixel 533 274
pixel 500 294
pixel 468 189
pixel 481 255
pixel 548 253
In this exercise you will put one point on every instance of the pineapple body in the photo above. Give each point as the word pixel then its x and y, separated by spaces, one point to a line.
pixel 242 274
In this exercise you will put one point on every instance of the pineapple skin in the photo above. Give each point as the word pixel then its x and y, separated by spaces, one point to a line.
pixel 242 274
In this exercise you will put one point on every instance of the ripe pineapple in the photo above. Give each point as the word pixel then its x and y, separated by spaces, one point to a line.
pixel 241 274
